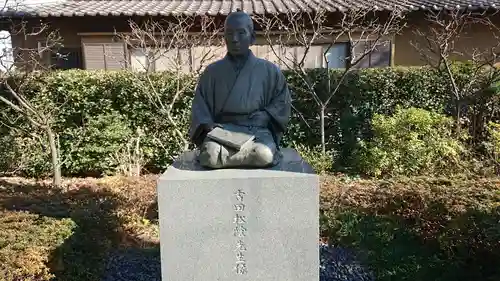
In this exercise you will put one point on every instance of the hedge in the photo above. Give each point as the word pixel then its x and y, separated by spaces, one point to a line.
pixel 96 114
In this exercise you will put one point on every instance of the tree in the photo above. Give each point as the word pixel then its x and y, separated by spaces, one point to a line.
pixel 14 79
pixel 446 39
pixel 181 45
pixel 292 38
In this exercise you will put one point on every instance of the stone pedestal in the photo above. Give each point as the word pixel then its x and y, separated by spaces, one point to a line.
pixel 239 224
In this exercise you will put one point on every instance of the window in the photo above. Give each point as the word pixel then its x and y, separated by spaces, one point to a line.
pixel 139 61
pixel 173 60
pixel 66 58
pixel 55 56
pixel 379 56
pixel 161 59
pixel 336 55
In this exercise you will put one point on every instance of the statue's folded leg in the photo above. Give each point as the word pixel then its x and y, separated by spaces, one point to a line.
pixel 210 154
pixel 259 153
pixel 216 156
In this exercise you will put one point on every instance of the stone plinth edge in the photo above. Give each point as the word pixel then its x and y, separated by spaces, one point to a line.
pixel 186 166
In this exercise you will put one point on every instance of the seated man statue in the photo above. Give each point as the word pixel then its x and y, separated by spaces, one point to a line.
pixel 240 98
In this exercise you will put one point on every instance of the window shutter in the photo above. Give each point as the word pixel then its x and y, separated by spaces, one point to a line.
pixel 114 56
pixel 204 55
pixel 185 60
pixel 108 56
pixel 94 56
pixel 313 57
pixel 272 53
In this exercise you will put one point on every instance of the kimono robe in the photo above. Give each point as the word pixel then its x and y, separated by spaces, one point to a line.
pixel 228 96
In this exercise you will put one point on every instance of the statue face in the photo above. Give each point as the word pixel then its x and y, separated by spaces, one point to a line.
pixel 237 34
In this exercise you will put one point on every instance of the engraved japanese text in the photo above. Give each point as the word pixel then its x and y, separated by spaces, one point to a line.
pixel 240 231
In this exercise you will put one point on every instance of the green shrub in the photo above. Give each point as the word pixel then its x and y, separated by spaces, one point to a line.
pixel 493 144
pixel 411 142
pixel 321 163
pixel 100 138
pixel 96 113
pixel 494 137
pixel 24 154
pixel 76 99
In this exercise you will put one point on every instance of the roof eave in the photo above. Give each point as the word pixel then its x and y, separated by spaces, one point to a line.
pixel 409 8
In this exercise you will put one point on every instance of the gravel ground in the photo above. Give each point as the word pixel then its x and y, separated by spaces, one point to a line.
pixel 134 265
pixel 336 264
pixel 339 264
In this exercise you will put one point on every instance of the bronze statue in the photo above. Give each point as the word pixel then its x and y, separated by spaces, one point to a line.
pixel 242 104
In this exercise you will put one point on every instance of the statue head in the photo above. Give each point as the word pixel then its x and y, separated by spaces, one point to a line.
pixel 239 33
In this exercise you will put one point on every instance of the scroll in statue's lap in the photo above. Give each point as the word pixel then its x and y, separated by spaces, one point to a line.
pixel 261 152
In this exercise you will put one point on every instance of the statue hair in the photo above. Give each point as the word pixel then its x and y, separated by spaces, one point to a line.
pixel 240 13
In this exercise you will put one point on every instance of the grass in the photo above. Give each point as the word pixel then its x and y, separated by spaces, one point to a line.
pixel 403 229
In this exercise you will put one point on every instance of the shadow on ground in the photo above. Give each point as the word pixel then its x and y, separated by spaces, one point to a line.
pixel 396 238
pixel 99 249
pixel 98 239
pixel 465 247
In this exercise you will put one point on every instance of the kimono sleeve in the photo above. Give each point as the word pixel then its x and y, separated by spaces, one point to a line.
pixel 201 109
pixel 279 107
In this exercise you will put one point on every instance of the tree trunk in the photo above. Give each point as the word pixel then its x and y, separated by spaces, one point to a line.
pixel 137 154
pixel 322 120
pixel 56 167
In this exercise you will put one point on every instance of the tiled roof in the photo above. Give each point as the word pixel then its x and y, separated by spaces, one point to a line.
pixel 72 8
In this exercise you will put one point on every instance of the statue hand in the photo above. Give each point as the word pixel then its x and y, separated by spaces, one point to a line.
pixel 210 127
pixel 203 131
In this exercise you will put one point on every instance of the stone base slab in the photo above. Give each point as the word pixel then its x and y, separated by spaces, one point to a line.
pixel 239 224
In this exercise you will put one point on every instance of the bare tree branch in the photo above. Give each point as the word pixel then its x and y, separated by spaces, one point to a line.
pixel 179 45
pixel 27 62
pixel 310 37
pixel 443 41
